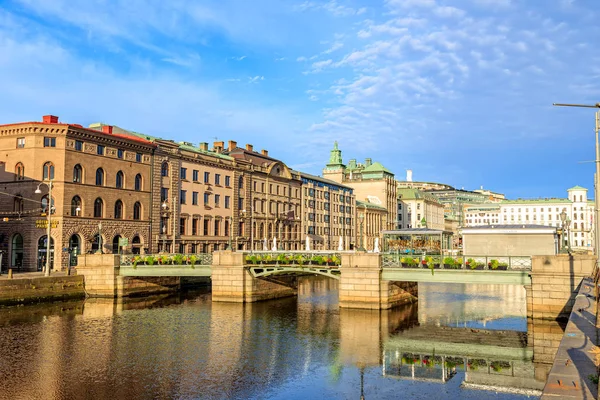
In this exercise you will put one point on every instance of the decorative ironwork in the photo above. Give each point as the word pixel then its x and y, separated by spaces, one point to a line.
pixel 165 260
pixel 265 271
pixel 493 263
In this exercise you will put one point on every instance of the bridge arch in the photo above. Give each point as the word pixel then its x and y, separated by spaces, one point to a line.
pixel 265 271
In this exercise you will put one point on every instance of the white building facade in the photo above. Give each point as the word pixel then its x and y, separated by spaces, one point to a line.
pixel 579 210
pixel 417 209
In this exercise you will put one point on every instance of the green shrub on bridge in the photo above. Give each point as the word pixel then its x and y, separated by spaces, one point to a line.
pixel 493 264
pixel 150 260
pixel 448 262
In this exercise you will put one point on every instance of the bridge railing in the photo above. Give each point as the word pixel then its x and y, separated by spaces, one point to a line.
pixel 467 262
pixel 165 260
pixel 299 258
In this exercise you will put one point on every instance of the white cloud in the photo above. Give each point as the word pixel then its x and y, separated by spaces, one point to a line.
pixel 331 6
pixel 255 79
pixel 319 65
pixel 301 59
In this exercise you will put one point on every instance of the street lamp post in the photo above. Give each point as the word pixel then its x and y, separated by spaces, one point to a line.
pixel 596 178
pixel 49 227
pixel 169 211
pixel 565 222
pixel 251 227
pixel 99 251
pixel 361 216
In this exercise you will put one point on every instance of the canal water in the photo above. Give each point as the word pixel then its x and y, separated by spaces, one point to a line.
pixel 458 342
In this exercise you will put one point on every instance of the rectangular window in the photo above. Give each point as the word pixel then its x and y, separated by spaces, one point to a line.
pixel 183 173
pixel 79 145
pixel 206 198
pixel 206 227
pixel 217 179
pixel 21 142
pixel 206 177
pixel 195 175
pixel 227 198
pixel 195 198
pixel 194 228
pixel 217 200
pixel 227 181
pixel 241 203
pixel 49 142
pixel 164 194
pixel 182 196
pixel 100 150
pixel 217 226
pixel 182 226
pixel 119 153
pixel 138 157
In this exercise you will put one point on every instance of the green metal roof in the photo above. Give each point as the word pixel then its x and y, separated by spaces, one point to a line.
pixel 537 201
pixel 376 167
pixel 414 194
pixel 577 187
pixel 362 204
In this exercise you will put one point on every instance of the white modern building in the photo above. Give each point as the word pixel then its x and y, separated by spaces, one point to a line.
pixel 579 211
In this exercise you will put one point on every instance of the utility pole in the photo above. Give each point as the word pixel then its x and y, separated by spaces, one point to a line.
pixel 597 177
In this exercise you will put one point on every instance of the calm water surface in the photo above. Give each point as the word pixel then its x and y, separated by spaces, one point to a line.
pixel 185 347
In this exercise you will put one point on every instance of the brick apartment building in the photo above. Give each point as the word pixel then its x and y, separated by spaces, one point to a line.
pixel 100 192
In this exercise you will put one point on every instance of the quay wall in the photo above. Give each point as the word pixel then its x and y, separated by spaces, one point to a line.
pixel 40 289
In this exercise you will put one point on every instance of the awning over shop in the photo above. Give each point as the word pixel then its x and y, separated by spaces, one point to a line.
pixel 316 238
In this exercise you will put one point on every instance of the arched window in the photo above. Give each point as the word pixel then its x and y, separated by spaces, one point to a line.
pixel 76 206
pixel 119 180
pixel 48 171
pixel 575 225
pixel 45 204
pixel 118 209
pixel 138 182
pixel 99 177
pixel 19 172
pixel 77 174
pixel 98 208
pixel 18 205
pixel 581 216
pixel 164 169
pixel 137 210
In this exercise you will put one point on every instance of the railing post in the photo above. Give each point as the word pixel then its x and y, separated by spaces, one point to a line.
pixel 510 262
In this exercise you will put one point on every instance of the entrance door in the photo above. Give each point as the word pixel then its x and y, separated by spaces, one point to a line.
pixel 42 249
pixel 16 260
pixel 74 250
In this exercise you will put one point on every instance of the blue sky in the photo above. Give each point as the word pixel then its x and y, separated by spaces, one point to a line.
pixel 459 91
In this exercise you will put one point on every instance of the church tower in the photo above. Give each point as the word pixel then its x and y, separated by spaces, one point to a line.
pixel 335 168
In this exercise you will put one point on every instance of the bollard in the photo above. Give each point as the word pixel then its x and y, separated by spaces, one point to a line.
pixel 10 273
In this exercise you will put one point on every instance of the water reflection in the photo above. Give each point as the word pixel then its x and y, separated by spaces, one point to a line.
pixel 188 347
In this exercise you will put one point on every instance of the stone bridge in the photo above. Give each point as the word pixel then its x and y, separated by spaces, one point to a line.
pixel 367 280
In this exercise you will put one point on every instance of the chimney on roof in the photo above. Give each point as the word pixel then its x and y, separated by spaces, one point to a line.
pixel 204 146
pixel 50 119
pixel 107 129
pixel 368 162
pixel 218 146
pixel 264 152
pixel 409 175
pixel 249 147
pixel 232 145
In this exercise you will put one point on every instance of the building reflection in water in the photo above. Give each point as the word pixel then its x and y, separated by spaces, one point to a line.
pixel 186 346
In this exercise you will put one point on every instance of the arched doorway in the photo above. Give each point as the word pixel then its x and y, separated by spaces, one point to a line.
pixel 136 245
pixel 16 260
pixel 41 255
pixel 115 245
pixel 74 249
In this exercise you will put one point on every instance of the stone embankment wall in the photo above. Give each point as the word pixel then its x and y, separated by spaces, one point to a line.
pixel 40 289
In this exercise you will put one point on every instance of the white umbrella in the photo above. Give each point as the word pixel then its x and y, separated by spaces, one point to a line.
pixel 274 244
pixel 376 249
pixel 265 245
pixel 341 245
pixel 307 243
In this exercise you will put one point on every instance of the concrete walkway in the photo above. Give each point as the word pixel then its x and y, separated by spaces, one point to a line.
pixel 574 363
